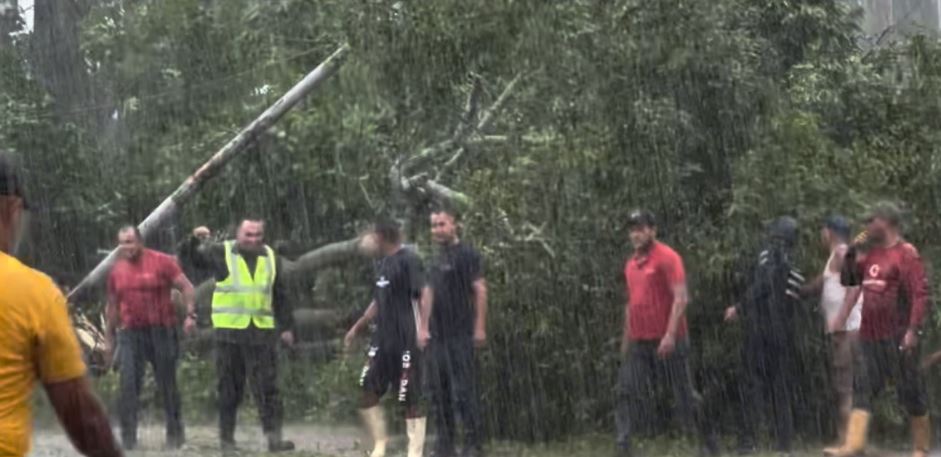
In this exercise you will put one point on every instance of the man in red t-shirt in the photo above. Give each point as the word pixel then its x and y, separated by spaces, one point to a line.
pixel 139 303
pixel 654 342
pixel 891 278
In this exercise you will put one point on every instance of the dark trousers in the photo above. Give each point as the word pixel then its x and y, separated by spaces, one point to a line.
pixel 767 389
pixel 453 380
pixel 880 361
pixel 158 346
pixel 236 361
pixel 641 376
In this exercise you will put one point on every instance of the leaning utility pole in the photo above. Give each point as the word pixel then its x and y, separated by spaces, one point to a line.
pixel 233 148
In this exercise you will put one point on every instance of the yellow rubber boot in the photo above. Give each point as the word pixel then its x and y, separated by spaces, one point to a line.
pixel 921 436
pixel 375 422
pixel 856 432
pixel 416 436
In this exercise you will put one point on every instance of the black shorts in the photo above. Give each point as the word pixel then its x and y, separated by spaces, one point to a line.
pixel 398 368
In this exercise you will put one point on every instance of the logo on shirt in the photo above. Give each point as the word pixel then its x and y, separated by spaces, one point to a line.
pixel 382 283
pixel 403 383
pixel 874 271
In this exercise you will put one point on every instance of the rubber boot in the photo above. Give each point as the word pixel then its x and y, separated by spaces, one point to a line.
pixel 921 436
pixel 856 433
pixel 416 436
pixel 375 422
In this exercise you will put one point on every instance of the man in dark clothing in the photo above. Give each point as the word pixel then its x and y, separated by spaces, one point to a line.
pixel 458 326
pixel 401 306
pixel 768 310
pixel 655 341
pixel 251 310
pixel 139 303
pixel 891 277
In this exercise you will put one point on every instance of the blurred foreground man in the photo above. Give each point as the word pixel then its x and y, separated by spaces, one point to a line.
pixel 251 311
pixel 654 342
pixel 458 328
pixel 401 307
pixel 834 235
pixel 139 303
pixel 768 311
pixel 891 277
pixel 39 344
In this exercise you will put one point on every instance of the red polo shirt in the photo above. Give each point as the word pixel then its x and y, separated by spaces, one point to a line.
pixel 650 281
pixel 141 288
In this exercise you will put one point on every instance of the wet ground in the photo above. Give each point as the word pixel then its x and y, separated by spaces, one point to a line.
pixel 346 441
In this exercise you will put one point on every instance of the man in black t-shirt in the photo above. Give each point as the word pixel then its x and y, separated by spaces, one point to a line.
pixel 458 326
pixel 401 306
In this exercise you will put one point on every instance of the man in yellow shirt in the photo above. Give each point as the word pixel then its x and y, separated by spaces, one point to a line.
pixel 39 344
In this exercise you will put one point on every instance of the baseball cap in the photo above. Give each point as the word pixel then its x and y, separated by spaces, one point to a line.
pixel 641 217
pixel 885 210
pixel 11 178
pixel 838 224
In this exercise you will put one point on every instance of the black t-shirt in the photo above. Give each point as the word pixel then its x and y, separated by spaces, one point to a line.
pixel 452 279
pixel 400 278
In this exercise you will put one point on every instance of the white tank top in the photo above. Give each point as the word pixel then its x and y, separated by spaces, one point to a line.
pixel 833 295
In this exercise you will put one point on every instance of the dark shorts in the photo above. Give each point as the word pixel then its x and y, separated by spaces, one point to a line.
pixel 399 368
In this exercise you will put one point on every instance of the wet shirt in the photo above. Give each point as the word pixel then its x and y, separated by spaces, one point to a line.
pixel 650 282
pixel 400 278
pixel 39 344
pixel 211 256
pixel 895 291
pixel 452 275
pixel 141 288
pixel 772 299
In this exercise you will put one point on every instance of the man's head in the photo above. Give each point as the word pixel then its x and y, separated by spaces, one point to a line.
pixel 388 235
pixel 883 222
pixel 250 236
pixel 13 205
pixel 643 229
pixel 782 232
pixel 444 226
pixel 836 229
pixel 130 243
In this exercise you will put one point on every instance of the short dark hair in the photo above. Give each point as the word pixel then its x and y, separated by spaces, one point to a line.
pixel 447 209
pixel 887 211
pixel 388 229
pixel 11 177
pixel 131 228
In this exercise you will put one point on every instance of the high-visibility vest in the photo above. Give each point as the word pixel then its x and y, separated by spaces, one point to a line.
pixel 242 298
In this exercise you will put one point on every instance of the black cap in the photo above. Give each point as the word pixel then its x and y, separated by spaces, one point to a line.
pixel 885 210
pixel 784 229
pixel 641 218
pixel 838 225
pixel 11 177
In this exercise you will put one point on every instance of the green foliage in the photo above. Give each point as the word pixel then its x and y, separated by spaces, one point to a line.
pixel 716 115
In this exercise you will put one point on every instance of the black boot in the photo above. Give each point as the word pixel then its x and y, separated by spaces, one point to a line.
pixel 276 444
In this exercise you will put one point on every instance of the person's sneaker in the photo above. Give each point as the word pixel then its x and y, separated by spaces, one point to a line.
pixel 280 446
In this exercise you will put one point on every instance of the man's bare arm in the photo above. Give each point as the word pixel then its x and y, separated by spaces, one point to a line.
pixel 480 305
pixel 83 417
pixel 680 300
pixel 849 301
pixel 425 306
pixel 186 290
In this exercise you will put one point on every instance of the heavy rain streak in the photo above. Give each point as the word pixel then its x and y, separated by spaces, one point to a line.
pixel 467 228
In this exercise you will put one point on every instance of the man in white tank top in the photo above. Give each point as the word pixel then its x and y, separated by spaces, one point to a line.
pixel 834 235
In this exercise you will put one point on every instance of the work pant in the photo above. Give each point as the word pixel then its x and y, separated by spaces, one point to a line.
pixel 160 347
pixel 453 381
pixel 881 361
pixel 642 374
pixel 259 361
pixel 842 355
pixel 767 389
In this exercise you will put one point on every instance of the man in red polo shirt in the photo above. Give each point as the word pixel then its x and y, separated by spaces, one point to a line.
pixel 891 277
pixel 654 342
pixel 139 302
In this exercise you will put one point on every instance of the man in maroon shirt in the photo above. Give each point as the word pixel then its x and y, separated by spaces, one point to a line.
pixel 891 278
pixel 654 341
pixel 139 302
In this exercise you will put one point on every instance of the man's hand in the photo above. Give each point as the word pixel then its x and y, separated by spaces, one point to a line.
pixel 287 337
pixel 480 338
pixel 667 346
pixel 835 325
pixel 424 336
pixel 108 353
pixel 909 341
pixel 189 326
pixel 202 232
pixel 731 314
